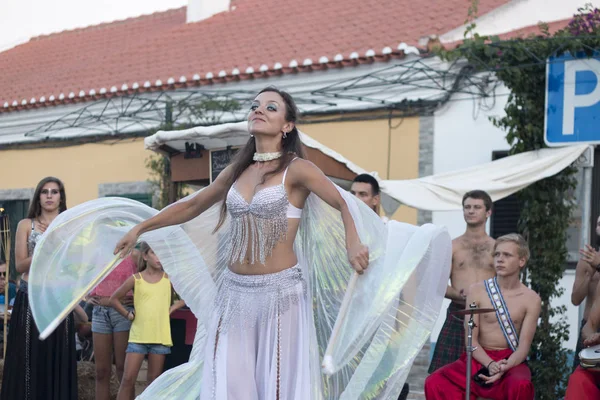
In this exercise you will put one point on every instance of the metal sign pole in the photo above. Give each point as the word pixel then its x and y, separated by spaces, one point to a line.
pixel 586 162
pixel 470 350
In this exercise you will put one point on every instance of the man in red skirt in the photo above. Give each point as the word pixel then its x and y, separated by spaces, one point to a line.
pixel 501 339
pixel 584 383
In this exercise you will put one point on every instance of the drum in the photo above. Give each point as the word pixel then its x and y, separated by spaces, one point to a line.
pixel 589 358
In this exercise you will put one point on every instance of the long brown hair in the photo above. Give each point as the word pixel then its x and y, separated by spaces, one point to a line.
pixel 142 264
pixel 291 148
pixel 35 208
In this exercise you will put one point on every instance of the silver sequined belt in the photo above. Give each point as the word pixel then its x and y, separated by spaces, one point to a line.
pixel 264 282
pixel 254 299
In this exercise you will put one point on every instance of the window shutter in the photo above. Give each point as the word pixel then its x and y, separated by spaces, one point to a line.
pixel 505 212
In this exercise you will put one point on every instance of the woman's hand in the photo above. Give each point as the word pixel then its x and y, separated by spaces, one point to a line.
pixel 41 227
pixel 99 301
pixel 127 301
pixel 358 255
pixel 131 315
pixel 127 242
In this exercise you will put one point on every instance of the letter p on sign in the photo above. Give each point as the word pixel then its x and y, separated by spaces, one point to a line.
pixel 572 100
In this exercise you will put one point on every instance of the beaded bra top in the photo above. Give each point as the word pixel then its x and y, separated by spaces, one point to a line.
pixel 34 236
pixel 259 225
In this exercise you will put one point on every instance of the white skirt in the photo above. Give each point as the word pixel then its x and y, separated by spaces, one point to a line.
pixel 258 339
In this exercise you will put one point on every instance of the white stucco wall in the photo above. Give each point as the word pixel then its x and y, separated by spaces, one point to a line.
pixel 518 14
pixel 572 313
pixel 464 137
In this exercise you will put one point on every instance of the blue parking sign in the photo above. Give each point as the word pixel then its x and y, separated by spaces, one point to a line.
pixel 572 100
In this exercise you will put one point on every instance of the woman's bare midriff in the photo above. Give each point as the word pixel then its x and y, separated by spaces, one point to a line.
pixel 282 257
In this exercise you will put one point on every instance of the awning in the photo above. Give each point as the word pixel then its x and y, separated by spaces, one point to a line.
pixel 500 179
pixel 216 138
pixel 211 137
pixel 442 192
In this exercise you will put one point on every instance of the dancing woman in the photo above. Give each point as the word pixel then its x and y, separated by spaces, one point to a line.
pixel 37 369
pixel 258 334
pixel 268 259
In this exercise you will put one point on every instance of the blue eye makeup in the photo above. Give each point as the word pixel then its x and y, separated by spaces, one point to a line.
pixel 270 106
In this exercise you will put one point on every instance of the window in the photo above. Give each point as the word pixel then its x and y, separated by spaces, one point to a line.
pixel 595 212
pixel 574 229
pixel 505 212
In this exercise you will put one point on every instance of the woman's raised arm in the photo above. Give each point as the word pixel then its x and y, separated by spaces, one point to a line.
pixel 178 213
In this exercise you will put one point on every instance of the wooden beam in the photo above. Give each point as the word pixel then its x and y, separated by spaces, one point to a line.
pixel 190 169
pixel 195 169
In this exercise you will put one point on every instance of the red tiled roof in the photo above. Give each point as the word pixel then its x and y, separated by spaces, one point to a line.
pixel 254 34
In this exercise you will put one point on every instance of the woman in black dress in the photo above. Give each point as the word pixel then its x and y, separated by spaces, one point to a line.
pixel 37 369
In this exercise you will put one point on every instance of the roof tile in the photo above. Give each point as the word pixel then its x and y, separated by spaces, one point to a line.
pixel 256 32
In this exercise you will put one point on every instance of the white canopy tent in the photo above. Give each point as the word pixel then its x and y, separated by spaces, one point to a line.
pixel 500 179
pixel 442 192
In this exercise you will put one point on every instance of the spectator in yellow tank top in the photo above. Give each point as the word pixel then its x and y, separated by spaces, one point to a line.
pixel 150 332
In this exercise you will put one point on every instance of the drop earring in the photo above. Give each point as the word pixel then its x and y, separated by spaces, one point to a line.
pixel 284 134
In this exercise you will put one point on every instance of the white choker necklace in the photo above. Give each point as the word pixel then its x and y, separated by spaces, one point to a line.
pixel 262 157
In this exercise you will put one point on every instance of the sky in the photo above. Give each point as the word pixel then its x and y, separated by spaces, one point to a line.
pixel 21 20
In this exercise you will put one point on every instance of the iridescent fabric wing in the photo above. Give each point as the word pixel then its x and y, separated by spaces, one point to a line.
pixel 392 308
pixel 75 254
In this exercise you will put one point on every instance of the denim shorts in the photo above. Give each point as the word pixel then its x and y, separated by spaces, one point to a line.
pixel 107 320
pixel 145 348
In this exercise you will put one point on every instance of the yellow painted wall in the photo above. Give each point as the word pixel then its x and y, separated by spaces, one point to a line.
pixel 388 147
pixel 81 168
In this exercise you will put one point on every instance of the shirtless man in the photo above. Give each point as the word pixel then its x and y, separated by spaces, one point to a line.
pixel 472 262
pixel 584 383
pixel 584 287
pixel 366 188
pixel 498 365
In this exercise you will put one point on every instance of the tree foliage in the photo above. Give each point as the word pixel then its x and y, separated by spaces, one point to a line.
pixel 160 179
pixel 179 116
